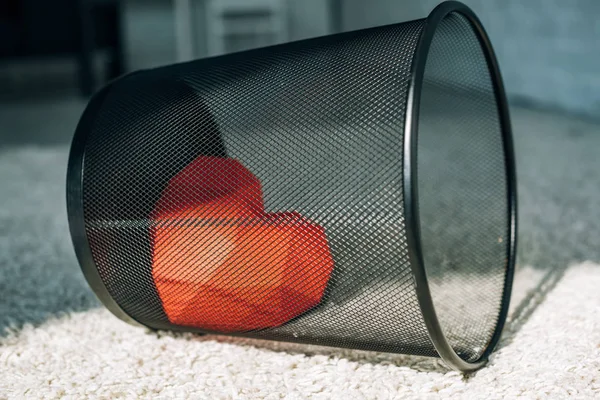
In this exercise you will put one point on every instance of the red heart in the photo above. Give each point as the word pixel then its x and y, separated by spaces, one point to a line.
pixel 221 263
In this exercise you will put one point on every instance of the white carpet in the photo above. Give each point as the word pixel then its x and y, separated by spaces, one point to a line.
pixel 91 354
pixel 55 341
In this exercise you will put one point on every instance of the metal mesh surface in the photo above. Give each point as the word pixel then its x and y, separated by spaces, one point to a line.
pixel 462 188
pixel 261 193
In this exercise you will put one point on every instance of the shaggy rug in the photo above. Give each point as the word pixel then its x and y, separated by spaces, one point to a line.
pixel 92 354
pixel 57 342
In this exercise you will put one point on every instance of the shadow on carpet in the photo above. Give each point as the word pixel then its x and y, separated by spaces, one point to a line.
pixel 39 274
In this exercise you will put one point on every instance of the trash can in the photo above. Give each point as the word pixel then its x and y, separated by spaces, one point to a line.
pixel 354 190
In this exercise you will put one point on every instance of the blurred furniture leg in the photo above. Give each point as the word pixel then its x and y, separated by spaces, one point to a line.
pixel 116 63
pixel 85 32
pixel 99 25
pixel 102 28
pixel 336 16
pixel 184 33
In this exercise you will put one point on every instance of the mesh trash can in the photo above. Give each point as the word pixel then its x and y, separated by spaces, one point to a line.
pixel 354 190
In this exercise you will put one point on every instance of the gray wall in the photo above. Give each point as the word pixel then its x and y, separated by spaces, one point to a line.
pixel 549 50
pixel 149 33
pixel 308 18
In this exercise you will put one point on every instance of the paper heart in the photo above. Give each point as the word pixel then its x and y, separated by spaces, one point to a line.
pixel 221 263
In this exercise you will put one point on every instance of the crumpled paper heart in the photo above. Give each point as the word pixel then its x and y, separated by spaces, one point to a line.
pixel 220 263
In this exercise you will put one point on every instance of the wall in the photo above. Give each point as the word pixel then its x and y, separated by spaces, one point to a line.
pixel 549 50
pixel 149 33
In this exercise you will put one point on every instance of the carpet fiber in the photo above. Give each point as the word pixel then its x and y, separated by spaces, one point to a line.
pixel 556 353
pixel 57 342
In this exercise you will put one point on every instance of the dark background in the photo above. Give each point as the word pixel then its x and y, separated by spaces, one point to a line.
pixel 549 50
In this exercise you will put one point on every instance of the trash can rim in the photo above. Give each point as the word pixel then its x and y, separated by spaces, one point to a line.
pixel 411 198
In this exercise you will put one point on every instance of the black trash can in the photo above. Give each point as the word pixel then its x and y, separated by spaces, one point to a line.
pixel 354 190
